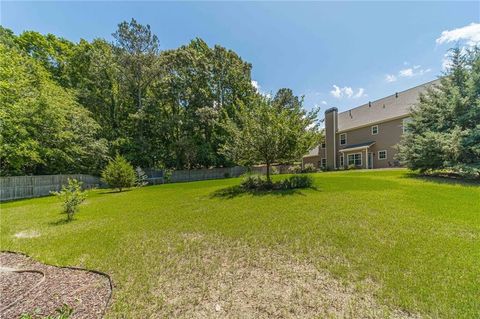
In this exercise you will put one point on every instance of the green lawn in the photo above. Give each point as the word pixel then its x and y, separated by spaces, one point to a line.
pixel 363 244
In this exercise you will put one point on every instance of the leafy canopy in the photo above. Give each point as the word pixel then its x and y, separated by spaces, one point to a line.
pixel 270 132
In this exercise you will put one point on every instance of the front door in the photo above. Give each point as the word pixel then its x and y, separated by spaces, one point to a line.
pixel 370 160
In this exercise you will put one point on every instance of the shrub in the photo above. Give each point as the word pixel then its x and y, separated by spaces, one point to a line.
pixel 141 177
pixel 295 169
pixel 274 170
pixel 297 181
pixel 119 173
pixel 254 181
pixel 309 168
pixel 167 175
pixel 72 196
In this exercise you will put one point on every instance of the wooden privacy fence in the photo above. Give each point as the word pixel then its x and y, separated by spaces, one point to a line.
pixel 157 176
pixel 17 187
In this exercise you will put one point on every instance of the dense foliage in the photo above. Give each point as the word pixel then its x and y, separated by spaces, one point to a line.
pixel 44 129
pixel 68 107
pixel 444 134
pixel 119 173
pixel 271 131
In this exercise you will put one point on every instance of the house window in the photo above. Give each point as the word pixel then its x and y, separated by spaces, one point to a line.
pixel 323 145
pixel 404 124
pixel 341 160
pixel 355 159
pixel 382 155
pixel 375 130
pixel 324 162
pixel 343 138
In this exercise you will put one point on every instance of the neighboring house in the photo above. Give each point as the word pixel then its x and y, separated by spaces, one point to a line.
pixel 365 136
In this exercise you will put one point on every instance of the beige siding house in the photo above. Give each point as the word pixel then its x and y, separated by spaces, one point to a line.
pixel 365 136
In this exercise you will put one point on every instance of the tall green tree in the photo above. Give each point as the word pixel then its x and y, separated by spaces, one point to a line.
pixel 444 133
pixel 266 134
pixel 44 129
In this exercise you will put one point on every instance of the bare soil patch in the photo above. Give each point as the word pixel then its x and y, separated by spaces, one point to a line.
pixel 28 286
pixel 237 282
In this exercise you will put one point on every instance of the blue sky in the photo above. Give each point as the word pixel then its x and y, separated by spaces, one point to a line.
pixel 339 54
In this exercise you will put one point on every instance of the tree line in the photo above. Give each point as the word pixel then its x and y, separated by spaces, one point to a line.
pixel 70 107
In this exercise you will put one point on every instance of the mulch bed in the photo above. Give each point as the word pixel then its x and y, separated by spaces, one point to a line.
pixel 28 286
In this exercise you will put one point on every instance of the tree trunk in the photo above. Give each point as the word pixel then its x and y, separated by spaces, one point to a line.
pixel 268 172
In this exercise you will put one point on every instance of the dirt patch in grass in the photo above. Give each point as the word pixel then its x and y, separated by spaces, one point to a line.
pixel 28 286
pixel 27 234
pixel 219 281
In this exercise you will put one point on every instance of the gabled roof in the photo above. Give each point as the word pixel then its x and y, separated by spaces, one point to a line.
pixel 394 106
pixel 355 146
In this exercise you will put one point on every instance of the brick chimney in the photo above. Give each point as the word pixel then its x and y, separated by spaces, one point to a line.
pixel 331 123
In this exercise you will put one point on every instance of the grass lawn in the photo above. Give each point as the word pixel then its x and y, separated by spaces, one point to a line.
pixel 363 244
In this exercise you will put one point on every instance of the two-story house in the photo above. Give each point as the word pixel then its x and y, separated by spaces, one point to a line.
pixel 365 136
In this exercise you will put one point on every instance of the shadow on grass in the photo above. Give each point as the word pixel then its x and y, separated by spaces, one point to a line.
pixel 59 222
pixel 235 191
pixel 114 191
pixel 452 180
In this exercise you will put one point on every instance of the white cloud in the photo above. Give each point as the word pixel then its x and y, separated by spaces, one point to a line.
pixel 324 102
pixel 255 85
pixel 411 72
pixel 406 72
pixel 347 92
pixel 360 93
pixel 390 78
pixel 469 33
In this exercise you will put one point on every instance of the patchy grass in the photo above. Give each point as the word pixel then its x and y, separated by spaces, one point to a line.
pixel 362 244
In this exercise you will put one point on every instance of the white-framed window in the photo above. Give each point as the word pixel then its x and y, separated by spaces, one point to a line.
pixel 382 154
pixel 342 158
pixel 404 124
pixel 322 145
pixel 354 159
pixel 324 162
pixel 343 138
pixel 375 130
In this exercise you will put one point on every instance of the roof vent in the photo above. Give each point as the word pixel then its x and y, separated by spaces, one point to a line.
pixel 396 94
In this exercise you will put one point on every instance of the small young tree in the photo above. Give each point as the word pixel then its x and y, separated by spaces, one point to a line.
pixel 444 133
pixel 71 196
pixel 119 173
pixel 269 132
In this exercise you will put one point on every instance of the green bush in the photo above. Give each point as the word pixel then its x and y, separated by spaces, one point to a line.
pixel 72 196
pixel 295 169
pixel 309 168
pixel 254 181
pixel 297 181
pixel 274 170
pixel 119 173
